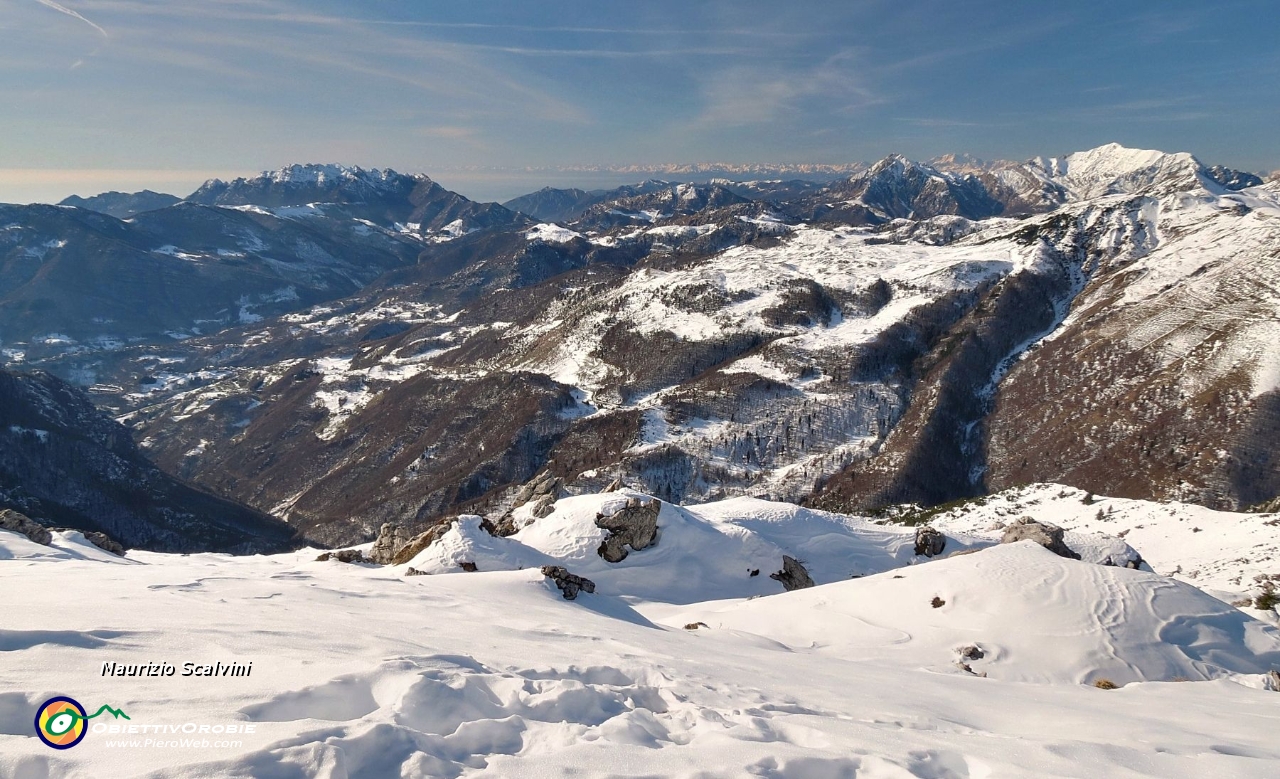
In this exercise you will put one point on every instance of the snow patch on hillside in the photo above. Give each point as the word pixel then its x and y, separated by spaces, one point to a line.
pixel 551 233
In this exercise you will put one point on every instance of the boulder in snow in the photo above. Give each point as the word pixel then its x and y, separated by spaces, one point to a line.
pixel 634 525
pixel 24 525
pixel 105 542
pixel 929 542
pixel 570 584
pixel 343 556
pixel 793 575
pixel 1044 534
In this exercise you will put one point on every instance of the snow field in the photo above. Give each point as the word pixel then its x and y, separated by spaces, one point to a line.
pixel 360 671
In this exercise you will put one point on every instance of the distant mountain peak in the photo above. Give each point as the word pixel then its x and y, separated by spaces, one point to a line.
pixel 320 178
pixel 122 205
pixel 329 174
pixel 1115 169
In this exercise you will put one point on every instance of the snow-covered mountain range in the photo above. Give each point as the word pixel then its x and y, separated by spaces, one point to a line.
pixel 944 469
pixel 916 332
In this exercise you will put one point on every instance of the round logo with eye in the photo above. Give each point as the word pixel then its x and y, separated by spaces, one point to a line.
pixel 60 722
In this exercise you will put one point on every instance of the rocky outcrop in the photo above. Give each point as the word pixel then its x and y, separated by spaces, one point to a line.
pixel 23 525
pixel 929 541
pixel 502 527
pixel 1044 534
pixel 1267 507
pixel 569 584
pixel 391 539
pixel 635 526
pixel 540 495
pixel 343 556
pixel 105 542
pixel 414 546
pixel 793 575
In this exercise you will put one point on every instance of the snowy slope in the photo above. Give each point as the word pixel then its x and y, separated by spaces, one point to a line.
pixel 1075 622
pixel 360 671
pixel 1113 169
pixel 704 552
pixel 1220 551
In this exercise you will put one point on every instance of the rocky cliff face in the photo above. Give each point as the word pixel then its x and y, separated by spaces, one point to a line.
pixel 64 463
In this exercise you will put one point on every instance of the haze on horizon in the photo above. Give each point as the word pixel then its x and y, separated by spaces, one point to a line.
pixel 131 94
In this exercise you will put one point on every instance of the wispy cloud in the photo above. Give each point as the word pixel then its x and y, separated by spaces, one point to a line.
pixel 748 95
pixel 253 10
pixel 213 38
pixel 73 14
pixel 938 122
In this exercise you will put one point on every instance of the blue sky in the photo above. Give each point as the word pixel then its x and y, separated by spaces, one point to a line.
pixel 103 94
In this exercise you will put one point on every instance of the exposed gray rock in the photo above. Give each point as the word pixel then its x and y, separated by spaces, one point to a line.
pixel 343 556
pixel 971 652
pixel 104 542
pixel 963 666
pixel 468 566
pixel 391 539
pixel 793 575
pixel 503 527
pixel 1132 563
pixel 613 486
pixel 570 584
pixel 547 485
pixel 635 525
pixel 1044 534
pixel 414 546
pixel 543 506
pixel 24 525
pixel 539 495
pixel 929 541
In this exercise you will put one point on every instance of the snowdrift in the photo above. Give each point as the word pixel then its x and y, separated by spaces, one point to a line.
pixel 1034 616
pixel 703 553
pixel 363 671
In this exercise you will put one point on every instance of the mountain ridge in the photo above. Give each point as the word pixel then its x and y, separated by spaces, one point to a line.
pixel 854 344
